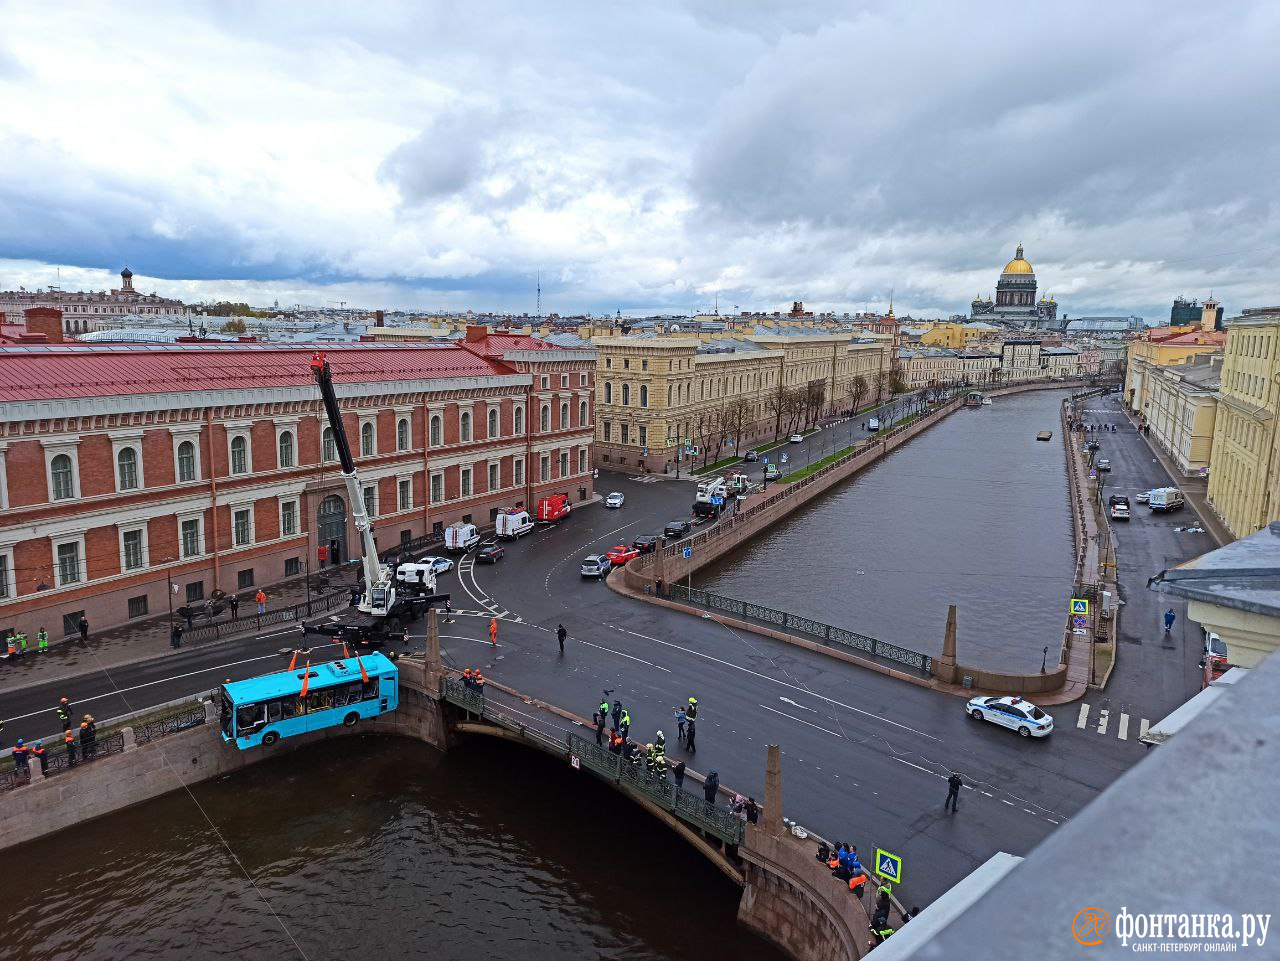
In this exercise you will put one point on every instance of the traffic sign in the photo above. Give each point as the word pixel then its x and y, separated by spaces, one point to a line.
pixel 717 501
pixel 687 553
pixel 888 866
pixel 1080 605
pixel 575 762
pixel 1079 621
pixel 764 460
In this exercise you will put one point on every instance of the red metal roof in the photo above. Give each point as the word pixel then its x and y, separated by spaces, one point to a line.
pixel 67 371
pixel 495 345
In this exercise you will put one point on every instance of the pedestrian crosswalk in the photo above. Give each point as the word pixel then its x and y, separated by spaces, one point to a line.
pixel 1111 721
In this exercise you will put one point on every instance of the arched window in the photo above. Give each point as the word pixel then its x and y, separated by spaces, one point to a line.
pixel 644 395
pixel 240 455
pixel 519 420
pixel 493 422
pixel 464 426
pixel 608 392
pixel 366 439
pixel 186 461
pixel 545 419
pixel 328 450
pixel 402 434
pixel 626 394
pixel 668 395
pixel 64 486
pixel 437 431
pixel 284 449
pixel 582 413
pixel 127 469
pixel 564 416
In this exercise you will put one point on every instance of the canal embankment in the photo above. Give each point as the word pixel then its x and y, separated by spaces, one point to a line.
pixel 1054 668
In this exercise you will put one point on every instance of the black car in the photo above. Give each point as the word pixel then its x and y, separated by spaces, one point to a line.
pixel 677 529
pixel 751 457
pixel 647 544
pixel 489 553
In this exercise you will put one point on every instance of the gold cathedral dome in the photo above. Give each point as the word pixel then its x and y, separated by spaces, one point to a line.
pixel 1018 265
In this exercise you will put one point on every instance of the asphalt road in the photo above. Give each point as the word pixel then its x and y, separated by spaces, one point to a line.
pixel 865 757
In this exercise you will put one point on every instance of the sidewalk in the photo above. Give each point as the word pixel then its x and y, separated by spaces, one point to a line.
pixel 149 639
pixel 1195 489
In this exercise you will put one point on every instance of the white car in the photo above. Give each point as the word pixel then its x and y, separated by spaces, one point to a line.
pixel 614 500
pixel 1143 497
pixel 438 565
pixel 1012 712
pixel 797 438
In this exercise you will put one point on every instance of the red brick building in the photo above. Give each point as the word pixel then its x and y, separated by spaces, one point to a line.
pixel 125 468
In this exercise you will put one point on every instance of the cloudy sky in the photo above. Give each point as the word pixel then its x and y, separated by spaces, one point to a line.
pixel 644 156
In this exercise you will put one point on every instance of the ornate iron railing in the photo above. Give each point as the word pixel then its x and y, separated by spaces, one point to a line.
pixel 295 613
pixel 60 761
pixel 160 727
pixel 804 625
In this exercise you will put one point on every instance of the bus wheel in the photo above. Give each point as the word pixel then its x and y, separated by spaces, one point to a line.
pixel 270 738
pixel 350 719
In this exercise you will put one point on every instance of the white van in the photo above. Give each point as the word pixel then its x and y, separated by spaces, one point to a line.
pixel 460 538
pixel 873 424
pixel 417 578
pixel 509 525
pixel 1166 499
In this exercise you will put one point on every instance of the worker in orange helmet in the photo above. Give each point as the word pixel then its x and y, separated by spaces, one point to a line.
pixel 493 631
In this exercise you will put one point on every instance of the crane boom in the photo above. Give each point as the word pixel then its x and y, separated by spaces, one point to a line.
pixel 380 594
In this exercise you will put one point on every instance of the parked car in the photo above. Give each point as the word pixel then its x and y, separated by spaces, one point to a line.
pixel 1103 465
pixel 796 438
pixel 1120 512
pixel 438 565
pixel 646 544
pixel 620 554
pixel 616 499
pixel 873 423
pixel 1091 445
pixel 751 457
pixel 1214 646
pixel 1142 497
pixel 596 565
pixel 677 529
pixel 1166 499
pixel 1011 712
pixel 490 553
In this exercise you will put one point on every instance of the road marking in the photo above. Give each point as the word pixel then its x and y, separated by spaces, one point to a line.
pixel 1003 801
pixel 766 677
pixel 1122 729
pixel 601 647
pixel 1084 716
pixel 787 700
pixel 163 680
pixel 1142 728
pixel 802 721
pixel 1103 715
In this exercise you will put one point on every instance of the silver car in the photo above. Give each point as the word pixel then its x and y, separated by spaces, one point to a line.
pixel 439 565
pixel 596 565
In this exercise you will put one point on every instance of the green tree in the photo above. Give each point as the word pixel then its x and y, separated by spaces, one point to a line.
pixel 235 326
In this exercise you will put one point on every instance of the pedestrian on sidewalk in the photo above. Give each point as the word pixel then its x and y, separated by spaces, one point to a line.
pixel 680 722
pixel 190 616
pixel 83 626
pixel 690 734
pixel 561 634
pixel 448 613
pixel 38 752
pixel 493 631
pixel 235 607
pixel 21 759
pixel 11 644
pixel 598 718
pixel 22 643
pixel 711 786
pixel 42 640
pixel 261 599
pixel 1169 618
pixel 678 771
pixel 625 726
pixel 88 736
pixel 175 637
pixel 954 784
pixel 617 712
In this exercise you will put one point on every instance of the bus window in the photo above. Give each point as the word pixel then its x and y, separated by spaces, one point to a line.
pixel 273 712
pixel 370 689
pixel 288 707
pixel 326 699
pixel 227 713
pixel 354 693
pixel 249 716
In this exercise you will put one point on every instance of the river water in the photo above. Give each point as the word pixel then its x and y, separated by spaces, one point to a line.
pixel 379 848
pixel 973 512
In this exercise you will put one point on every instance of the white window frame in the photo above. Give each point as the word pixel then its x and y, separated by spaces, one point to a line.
pixel 466 482
pixel 191 436
pixel 232 434
pixel 372 421
pixel 9 584
pixel 369 496
pixel 297 515
pixel 582 380
pixel 72 449
pixel 198 517
pixel 468 435
pixel 544 418
pixel 327 431
pixel 145 547
pixel 436 487
pixel 119 444
pixel 404 485
pixel 517 471
pixel 544 468
pixel 582 460
pixel 518 420
pixel 493 415
pixel 408 433
pixel 564 463
pixel 82 562
pixel 4 480
pixel 495 475
pixel 236 509
pixel 566 415
pixel 564 381
pixel 584 413
pixel 545 382
pixel 293 447
pixel 435 428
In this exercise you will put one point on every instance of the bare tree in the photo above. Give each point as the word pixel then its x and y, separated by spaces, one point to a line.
pixel 815 396
pixel 737 415
pixel 794 404
pixel 858 388
pixel 776 405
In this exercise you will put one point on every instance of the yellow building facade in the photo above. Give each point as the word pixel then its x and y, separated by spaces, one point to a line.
pixel 1167 347
pixel 946 334
pixel 656 395
pixel 1242 478
pixel 1182 411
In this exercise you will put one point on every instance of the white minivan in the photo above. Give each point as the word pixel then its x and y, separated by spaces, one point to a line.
pixel 873 424
pixel 461 537
pixel 1166 499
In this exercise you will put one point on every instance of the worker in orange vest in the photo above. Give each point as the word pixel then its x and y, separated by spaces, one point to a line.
pixel 493 631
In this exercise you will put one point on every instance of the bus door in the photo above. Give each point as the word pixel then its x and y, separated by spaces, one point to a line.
pixel 387 694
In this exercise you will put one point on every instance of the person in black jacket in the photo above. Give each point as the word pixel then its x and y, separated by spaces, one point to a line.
pixel 711 787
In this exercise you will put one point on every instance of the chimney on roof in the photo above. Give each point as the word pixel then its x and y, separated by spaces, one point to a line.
pixel 46 321
pixel 476 333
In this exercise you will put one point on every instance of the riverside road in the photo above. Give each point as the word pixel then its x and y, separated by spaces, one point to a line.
pixel 865 757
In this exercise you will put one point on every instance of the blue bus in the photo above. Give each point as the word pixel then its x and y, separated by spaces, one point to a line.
pixel 261 710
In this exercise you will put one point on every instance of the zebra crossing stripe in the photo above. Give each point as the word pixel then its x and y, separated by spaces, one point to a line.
pixel 1102 720
pixel 1122 731
pixel 1142 728
pixel 1084 716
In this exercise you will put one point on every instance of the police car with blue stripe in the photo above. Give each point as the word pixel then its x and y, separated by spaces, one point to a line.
pixel 1012 712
